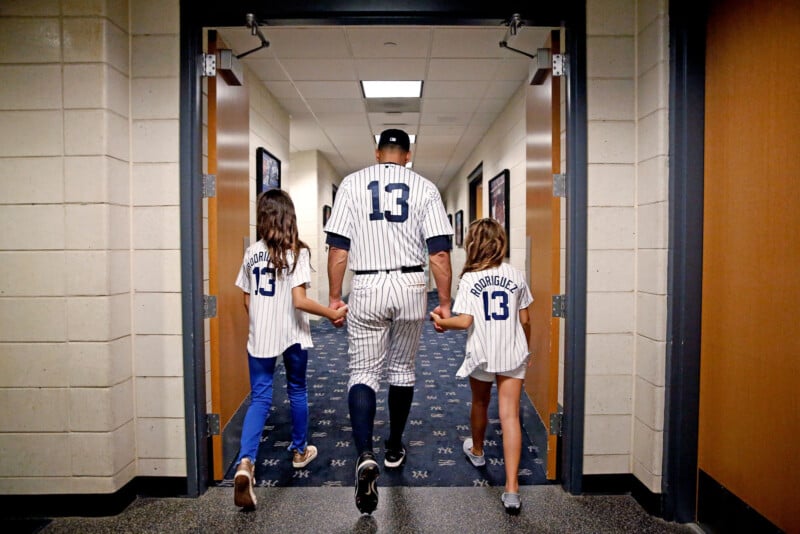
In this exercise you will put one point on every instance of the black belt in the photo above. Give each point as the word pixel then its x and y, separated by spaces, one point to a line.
pixel 414 269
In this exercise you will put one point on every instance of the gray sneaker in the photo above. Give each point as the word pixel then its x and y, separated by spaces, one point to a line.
pixel 511 503
pixel 477 461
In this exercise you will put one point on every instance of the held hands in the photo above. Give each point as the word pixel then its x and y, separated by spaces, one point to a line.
pixel 340 311
pixel 439 313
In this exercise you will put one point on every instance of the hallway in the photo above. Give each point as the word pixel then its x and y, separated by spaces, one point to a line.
pixel 452 497
pixel 401 510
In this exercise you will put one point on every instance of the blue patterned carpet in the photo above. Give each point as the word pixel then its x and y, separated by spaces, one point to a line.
pixel 436 429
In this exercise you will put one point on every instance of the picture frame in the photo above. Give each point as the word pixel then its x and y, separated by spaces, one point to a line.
pixel 326 214
pixel 459 228
pixel 268 171
pixel 498 201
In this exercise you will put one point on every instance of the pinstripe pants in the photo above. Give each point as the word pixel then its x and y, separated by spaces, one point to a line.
pixel 384 324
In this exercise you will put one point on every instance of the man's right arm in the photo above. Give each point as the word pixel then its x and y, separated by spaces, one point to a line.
pixel 337 265
pixel 443 275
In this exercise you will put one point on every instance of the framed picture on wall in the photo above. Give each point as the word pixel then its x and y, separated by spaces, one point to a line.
pixel 498 201
pixel 268 171
pixel 459 228
pixel 326 214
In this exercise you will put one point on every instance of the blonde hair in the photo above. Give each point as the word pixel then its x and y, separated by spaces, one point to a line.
pixel 276 224
pixel 485 245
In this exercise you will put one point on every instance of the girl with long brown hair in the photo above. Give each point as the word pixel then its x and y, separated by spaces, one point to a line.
pixel 492 305
pixel 275 272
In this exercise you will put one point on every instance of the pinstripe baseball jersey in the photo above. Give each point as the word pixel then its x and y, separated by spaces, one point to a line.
pixel 493 297
pixel 387 211
pixel 275 324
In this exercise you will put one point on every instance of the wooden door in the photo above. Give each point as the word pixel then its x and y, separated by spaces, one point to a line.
pixel 749 421
pixel 543 229
pixel 228 226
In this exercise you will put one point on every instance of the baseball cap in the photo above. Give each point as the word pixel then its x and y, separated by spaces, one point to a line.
pixel 393 136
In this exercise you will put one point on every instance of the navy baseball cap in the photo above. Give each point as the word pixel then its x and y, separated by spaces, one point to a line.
pixel 393 136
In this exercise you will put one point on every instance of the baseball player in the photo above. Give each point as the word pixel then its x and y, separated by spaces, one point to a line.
pixel 387 221
pixel 492 303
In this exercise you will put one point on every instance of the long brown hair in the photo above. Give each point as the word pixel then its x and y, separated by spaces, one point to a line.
pixel 485 245
pixel 276 224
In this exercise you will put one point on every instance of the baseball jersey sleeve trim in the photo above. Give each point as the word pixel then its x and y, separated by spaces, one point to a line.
pixel 439 243
pixel 338 241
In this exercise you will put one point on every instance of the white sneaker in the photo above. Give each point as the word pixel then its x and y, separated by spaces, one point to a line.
pixel 243 482
pixel 477 461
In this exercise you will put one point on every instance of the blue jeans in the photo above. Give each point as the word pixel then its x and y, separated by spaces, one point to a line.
pixel 262 370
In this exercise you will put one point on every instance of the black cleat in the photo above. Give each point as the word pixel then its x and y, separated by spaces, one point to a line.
pixel 366 487
pixel 394 457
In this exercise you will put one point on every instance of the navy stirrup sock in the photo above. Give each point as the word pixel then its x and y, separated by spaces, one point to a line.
pixel 400 398
pixel 361 400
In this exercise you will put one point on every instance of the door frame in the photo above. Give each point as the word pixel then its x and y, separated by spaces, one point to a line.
pixel 572 17
pixel 687 41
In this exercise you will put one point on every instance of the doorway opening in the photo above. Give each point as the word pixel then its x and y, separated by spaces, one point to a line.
pixel 191 163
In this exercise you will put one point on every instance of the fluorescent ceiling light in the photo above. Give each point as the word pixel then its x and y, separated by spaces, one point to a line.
pixel 389 89
pixel 411 137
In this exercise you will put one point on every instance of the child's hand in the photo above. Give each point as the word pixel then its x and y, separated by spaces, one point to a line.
pixel 340 313
pixel 435 317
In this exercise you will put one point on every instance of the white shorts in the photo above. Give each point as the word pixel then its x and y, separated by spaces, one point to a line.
pixel 485 376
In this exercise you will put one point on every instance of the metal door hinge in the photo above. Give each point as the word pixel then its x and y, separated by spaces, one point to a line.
pixel 208 65
pixel 559 64
pixel 555 423
pixel 559 305
pixel 212 424
pixel 560 185
pixel 209 187
pixel 209 306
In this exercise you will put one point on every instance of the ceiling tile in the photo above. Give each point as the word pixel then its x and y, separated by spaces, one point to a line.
pixel 453 89
pixel 238 39
pixel 334 132
pixel 342 119
pixel 503 89
pixel 513 68
pixel 433 130
pixel 333 105
pixel 307 42
pixel 406 121
pixel 266 69
pixel 282 90
pixel 449 105
pixel 320 69
pixel 391 69
pixel 294 106
pixel 466 42
pixel 468 80
pixel 492 105
pixel 409 42
pixel 329 89
pixel 462 69
pixel 446 118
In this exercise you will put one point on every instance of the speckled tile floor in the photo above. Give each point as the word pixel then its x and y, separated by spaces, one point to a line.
pixel 401 510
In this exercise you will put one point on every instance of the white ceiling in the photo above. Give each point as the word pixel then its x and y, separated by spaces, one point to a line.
pixel 314 72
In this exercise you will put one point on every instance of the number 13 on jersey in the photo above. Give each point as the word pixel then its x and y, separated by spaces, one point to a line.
pixel 495 305
pixel 399 193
